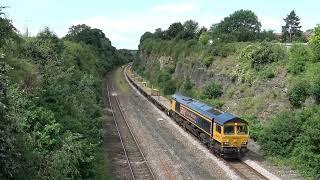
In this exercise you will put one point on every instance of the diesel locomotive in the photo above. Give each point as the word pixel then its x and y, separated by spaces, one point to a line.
pixel 222 132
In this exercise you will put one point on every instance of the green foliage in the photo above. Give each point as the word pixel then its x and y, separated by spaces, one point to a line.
pixel 213 90
pixel 174 30
pixel 299 56
pixel 208 61
pixel 315 88
pixel 8 31
pixel 262 54
pixel 266 36
pixel 307 148
pixel 292 27
pixel 8 130
pixel 243 25
pixel 255 126
pixel 315 42
pixel 190 29
pixel 204 38
pixel 280 136
pixel 298 93
pixel 169 87
pixel 294 138
pixel 187 87
pixel 50 102
pixel 145 36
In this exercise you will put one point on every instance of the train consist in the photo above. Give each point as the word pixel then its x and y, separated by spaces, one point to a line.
pixel 222 132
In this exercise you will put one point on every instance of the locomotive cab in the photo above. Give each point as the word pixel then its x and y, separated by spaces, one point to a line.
pixel 232 136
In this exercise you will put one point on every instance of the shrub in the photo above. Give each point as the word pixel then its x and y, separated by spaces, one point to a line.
pixel 227 49
pixel 255 126
pixel 315 89
pixel 294 138
pixel 208 61
pixel 212 90
pixel 169 87
pixel 267 73
pixel 261 54
pixel 299 55
pixel 280 136
pixel 298 93
pixel 307 147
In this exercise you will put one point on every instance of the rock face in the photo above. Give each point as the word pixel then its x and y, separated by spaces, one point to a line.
pixel 260 98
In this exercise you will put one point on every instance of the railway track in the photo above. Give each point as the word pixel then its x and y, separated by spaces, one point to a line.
pixel 137 165
pixel 243 170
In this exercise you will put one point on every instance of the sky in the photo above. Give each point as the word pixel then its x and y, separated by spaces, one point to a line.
pixel 124 22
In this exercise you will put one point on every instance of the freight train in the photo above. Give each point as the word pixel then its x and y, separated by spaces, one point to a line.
pixel 222 132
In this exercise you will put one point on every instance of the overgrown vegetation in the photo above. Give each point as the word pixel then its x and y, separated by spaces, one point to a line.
pixel 51 104
pixel 293 137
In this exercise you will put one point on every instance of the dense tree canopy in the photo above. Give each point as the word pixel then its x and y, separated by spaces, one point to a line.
pixel 174 30
pixel 242 24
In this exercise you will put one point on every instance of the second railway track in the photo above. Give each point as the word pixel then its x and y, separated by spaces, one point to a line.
pixel 138 167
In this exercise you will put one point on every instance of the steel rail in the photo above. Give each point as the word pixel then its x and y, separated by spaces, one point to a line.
pixel 118 131
pixel 134 138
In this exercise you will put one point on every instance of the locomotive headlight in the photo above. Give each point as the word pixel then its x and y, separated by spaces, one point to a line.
pixel 244 142
pixel 226 143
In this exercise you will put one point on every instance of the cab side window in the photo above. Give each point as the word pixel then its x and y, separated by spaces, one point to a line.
pixel 218 129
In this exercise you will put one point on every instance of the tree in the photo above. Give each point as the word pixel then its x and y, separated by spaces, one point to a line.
pixel 242 24
pixel 159 33
pixel 299 56
pixel 145 36
pixel 190 29
pixel 8 129
pixel 8 31
pixel 213 90
pixel 291 29
pixel 8 154
pixel 174 29
pixel 201 30
pixel 94 37
pixel 298 93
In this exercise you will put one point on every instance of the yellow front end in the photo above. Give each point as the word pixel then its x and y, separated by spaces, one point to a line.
pixel 233 137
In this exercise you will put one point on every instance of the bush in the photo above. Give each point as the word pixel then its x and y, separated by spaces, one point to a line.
pixel 187 87
pixel 255 126
pixel 267 73
pixel 280 136
pixel 294 138
pixel 169 87
pixel 261 54
pixel 208 61
pixel 307 147
pixel 315 89
pixel 212 90
pixel 299 55
pixel 298 93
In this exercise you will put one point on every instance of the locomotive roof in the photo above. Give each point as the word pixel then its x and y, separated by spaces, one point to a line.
pixel 220 117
